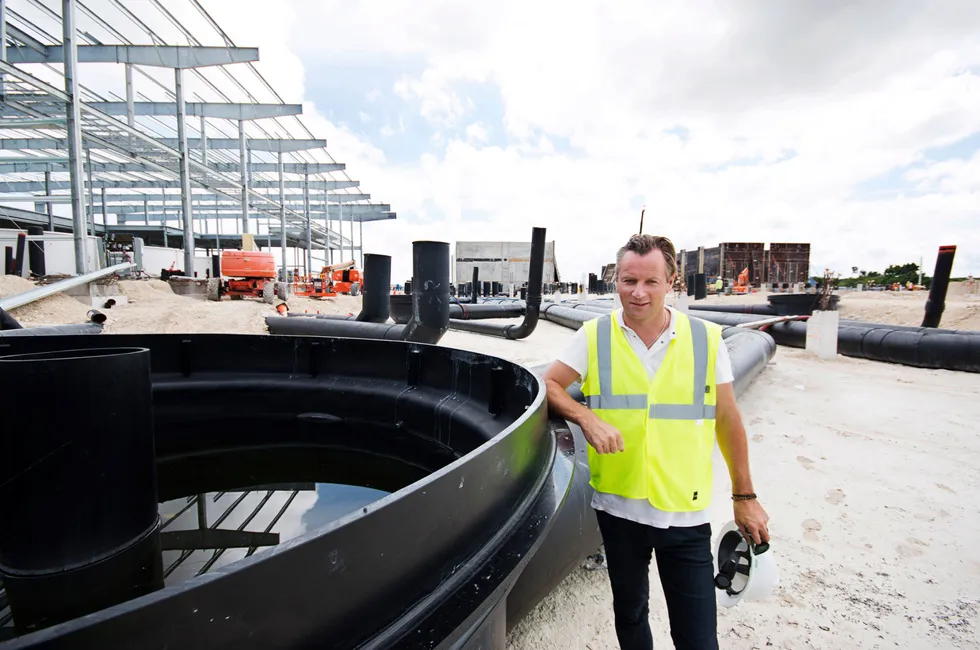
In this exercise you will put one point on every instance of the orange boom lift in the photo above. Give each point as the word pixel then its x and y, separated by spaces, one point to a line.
pixel 247 273
pixel 332 280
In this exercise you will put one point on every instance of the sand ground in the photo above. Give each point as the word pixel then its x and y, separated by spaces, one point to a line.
pixel 867 470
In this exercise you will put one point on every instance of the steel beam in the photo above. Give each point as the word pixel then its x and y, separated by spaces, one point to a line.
pixel 196 109
pixel 74 139
pixel 21 187
pixel 296 200
pixel 135 214
pixel 33 164
pixel 272 145
pixel 161 56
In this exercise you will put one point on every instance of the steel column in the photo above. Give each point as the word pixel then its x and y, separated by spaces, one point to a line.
pixel 309 226
pixel 91 196
pixel 243 168
pixel 360 241
pixel 74 130
pixel 185 176
pixel 50 206
pixel 130 97
pixel 204 141
pixel 282 215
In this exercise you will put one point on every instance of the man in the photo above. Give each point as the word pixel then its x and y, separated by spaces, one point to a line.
pixel 658 387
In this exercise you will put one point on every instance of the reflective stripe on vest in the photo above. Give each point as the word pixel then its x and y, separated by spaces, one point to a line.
pixel 606 399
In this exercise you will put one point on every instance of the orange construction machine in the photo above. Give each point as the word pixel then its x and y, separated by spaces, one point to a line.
pixel 332 280
pixel 247 273
pixel 742 285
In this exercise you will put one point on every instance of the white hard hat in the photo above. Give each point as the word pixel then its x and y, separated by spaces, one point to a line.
pixel 743 569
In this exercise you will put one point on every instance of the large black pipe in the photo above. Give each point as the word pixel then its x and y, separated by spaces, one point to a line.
pixel 532 303
pixel 430 306
pixel 484 310
pixel 475 288
pixel 700 286
pixel 80 529
pixel 8 322
pixel 35 252
pixel 19 259
pixel 375 299
pixel 430 292
pixel 936 303
pixel 917 347
pixel 575 533
pixel 376 290
pixel 54 330
pixel 8 260
pixel 572 318
pixel 762 310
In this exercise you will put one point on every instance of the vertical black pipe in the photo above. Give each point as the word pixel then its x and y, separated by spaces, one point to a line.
pixel 475 292
pixel 216 265
pixel 377 282
pixel 35 252
pixel 8 260
pixel 936 303
pixel 691 284
pixel 430 292
pixel 700 286
pixel 80 530
pixel 19 259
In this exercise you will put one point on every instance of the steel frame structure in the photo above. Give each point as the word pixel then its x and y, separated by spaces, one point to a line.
pixel 133 160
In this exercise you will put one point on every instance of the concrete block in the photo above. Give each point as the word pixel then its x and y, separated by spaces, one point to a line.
pixel 821 334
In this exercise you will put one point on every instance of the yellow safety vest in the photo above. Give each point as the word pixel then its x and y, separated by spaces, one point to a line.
pixel 668 424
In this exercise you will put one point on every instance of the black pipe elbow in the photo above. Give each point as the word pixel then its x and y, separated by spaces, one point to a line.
pixel 375 304
pixel 430 292
pixel 8 322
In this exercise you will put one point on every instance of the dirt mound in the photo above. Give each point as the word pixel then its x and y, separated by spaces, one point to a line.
pixel 58 309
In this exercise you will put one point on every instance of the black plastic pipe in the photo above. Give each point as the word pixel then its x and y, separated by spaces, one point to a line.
pixel 482 311
pixel 936 303
pixel 19 259
pixel 8 322
pixel 700 286
pixel 8 260
pixel 475 289
pixel 430 292
pixel 572 318
pixel 909 346
pixel 96 316
pixel 430 306
pixel 54 330
pixel 375 299
pixel 35 254
pixel 762 310
pixel 532 303
pixel 79 500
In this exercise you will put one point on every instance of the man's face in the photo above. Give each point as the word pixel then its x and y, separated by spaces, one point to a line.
pixel 643 284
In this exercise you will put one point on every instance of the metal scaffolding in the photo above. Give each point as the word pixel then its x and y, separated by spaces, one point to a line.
pixel 97 163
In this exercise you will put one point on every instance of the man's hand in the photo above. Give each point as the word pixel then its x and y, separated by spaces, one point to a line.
pixel 752 520
pixel 603 436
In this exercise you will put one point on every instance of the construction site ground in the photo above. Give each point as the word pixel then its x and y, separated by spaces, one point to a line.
pixel 868 471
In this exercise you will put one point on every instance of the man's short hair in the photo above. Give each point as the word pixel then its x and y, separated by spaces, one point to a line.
pixel 643 244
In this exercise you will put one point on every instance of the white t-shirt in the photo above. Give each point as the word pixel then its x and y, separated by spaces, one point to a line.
pixel 576 356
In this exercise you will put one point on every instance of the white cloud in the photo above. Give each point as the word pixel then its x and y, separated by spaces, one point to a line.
pixel 786 108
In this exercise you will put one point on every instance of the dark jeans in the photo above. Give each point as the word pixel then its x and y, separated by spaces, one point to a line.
pixel 686 569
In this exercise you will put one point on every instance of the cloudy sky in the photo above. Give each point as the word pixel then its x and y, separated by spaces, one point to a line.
pixel 851 125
